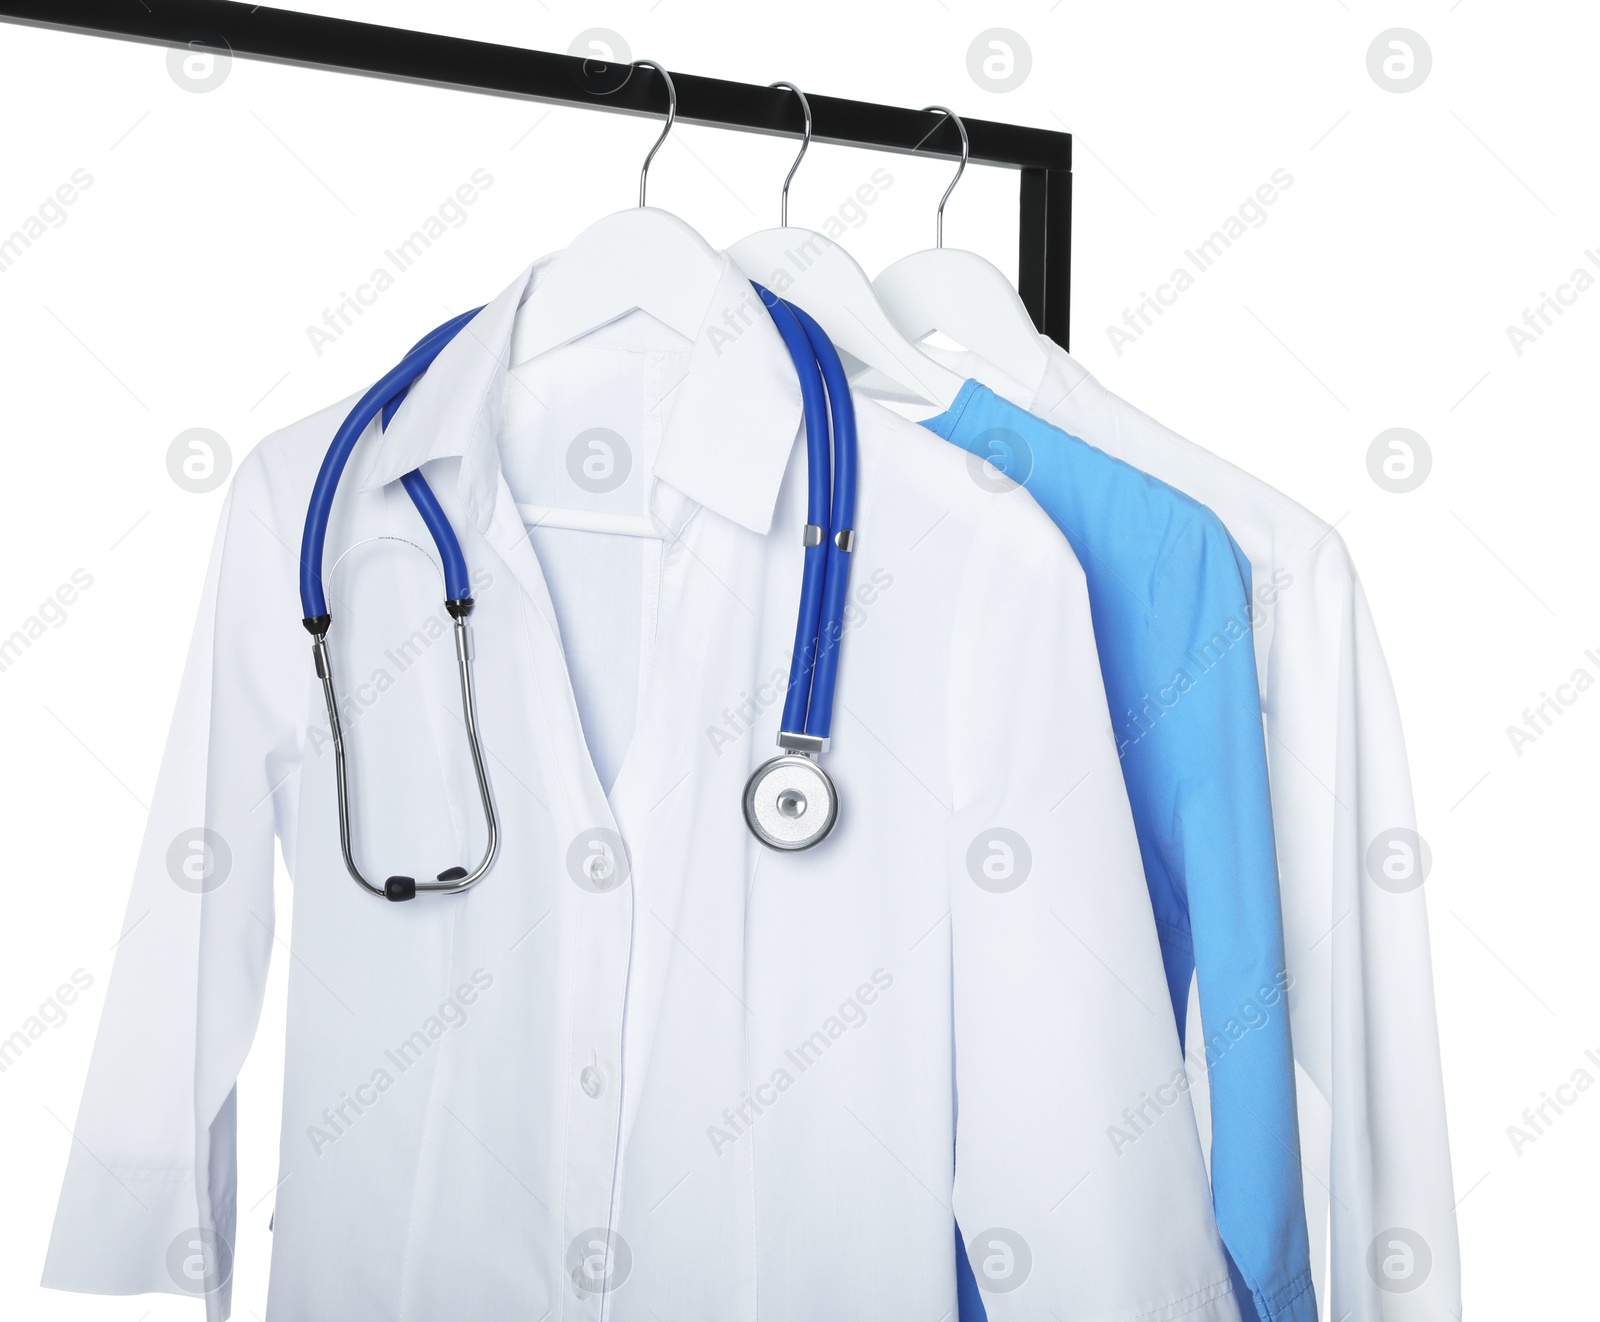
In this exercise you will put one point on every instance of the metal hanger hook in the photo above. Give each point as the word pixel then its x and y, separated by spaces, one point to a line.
pixel 938 222
pixel 805 143
pixel 672 115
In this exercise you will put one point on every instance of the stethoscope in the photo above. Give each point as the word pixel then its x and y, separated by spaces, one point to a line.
pixel 790 802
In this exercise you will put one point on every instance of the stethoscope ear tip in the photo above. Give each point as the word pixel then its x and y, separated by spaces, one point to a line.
pixel 400 888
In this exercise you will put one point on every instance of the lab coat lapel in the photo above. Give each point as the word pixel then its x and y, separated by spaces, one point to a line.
pixel 678 798
pixel 579 803
pixel 678 802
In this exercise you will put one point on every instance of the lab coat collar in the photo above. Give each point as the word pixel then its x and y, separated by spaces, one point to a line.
pixel 727 429
pixel 1063 374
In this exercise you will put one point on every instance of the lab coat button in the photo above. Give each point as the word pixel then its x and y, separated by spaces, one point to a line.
pixel 592 1081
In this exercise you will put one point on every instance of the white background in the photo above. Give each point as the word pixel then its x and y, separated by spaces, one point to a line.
pixel 219 226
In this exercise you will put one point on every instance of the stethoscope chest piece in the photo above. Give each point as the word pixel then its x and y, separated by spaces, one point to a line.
pixel 790 802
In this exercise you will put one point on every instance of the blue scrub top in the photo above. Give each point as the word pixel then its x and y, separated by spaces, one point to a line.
pixel 1169 592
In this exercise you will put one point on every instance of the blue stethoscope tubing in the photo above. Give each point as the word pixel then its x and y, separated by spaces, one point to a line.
pixel 384 397
pixel 807 714
pixel 841 537
pixel 813 579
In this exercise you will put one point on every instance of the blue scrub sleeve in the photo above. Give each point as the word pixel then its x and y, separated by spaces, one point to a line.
pixel 1218 852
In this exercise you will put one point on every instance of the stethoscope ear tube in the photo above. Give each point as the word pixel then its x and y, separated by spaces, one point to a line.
pixel 385 397
pixel 453 879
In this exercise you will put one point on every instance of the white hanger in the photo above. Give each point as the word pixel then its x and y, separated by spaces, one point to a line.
pixel 812 271
pixel 961 295
pixel 642 258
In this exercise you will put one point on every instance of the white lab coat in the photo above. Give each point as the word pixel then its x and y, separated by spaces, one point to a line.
pixel 1366 1037
pixel 705 1080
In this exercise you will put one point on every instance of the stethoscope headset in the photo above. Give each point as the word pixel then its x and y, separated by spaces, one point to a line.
pixel 790 802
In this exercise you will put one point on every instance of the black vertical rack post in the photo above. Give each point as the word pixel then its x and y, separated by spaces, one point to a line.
pixel 1044 234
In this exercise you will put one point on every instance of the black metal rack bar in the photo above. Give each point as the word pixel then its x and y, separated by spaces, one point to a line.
pixel 285 36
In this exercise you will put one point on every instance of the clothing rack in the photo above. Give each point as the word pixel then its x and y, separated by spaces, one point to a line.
pixel 283 36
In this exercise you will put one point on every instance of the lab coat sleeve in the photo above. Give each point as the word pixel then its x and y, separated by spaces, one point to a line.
pixel 1394 1203
pixel 148 1202
pixel 1077 1158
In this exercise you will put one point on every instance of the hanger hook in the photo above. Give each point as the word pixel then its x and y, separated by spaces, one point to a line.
pixel 805 106
pixel 938 222
pixel 672 114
